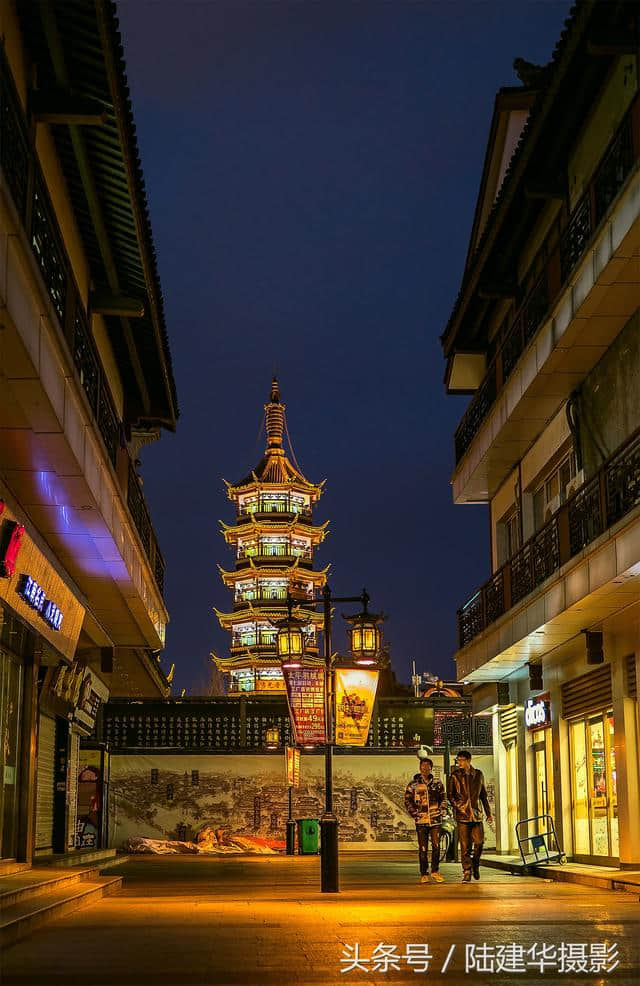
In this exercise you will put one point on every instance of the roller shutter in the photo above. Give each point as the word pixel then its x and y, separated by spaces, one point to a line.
pixel 509 726
pixel 44 782
pixel 589 693
pixel 72 787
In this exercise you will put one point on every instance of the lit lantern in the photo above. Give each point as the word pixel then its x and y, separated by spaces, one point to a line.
pixel 365 636
pixel 272 738
pixel 290 642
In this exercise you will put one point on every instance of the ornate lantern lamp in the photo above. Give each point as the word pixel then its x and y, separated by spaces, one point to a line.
pixel 290 640
pixel 365 635
pixel 272 738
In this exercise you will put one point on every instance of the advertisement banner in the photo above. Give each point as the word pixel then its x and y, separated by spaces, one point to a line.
pixel 305 695
pixel 355 695
pixel 293 766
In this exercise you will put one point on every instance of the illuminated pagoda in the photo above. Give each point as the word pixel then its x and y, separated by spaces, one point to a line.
pixel 273 539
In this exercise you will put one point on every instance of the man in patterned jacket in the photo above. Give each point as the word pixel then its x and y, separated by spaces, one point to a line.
pixel 424 797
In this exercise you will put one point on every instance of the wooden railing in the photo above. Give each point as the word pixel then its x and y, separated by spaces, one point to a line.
pixel 26 184
pixel 617 163
pixel 591 510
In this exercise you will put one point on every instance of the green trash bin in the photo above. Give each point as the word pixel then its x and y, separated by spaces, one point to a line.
pixel 307 836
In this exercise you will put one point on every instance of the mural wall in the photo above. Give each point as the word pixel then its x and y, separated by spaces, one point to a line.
pixel 172 797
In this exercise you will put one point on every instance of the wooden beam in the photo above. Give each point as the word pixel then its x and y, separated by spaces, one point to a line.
pixel 489 291
pixel 544 191
pixel 65 106
pixel 104 303
pixel 614 42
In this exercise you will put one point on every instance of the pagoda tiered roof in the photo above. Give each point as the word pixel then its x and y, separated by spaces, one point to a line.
pixel 248 659
pixel 318 577
pixel 266 615
pixel 232 532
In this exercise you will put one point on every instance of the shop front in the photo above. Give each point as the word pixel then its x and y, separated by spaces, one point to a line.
pixel 587 706
pixel 537 720
pixel 40 622
pixel 509 739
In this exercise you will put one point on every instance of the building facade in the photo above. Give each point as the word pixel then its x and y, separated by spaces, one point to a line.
pixel 545 336
pixel 85 382
pixel 273 540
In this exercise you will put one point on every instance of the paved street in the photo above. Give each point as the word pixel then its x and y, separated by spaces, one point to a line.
pixel 262 920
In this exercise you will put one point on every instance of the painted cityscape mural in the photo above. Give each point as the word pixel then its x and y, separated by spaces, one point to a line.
pixel 174 797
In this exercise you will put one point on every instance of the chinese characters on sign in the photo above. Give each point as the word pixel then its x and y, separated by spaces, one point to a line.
pixel 595 958
pixel 35 596
pixel 305 695
pixel 355 695
pixel 293 766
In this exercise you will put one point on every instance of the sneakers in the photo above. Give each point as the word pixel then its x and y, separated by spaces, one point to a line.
pixel 475 868
pixel 438 877
pixel 425 878
pixel 466 878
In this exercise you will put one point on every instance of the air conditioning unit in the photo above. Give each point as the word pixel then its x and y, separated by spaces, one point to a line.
pixel 552 506
pixel 574 484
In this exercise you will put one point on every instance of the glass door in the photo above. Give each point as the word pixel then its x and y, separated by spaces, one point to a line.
pixel 543 757
pixel 513 812
pixel 594 792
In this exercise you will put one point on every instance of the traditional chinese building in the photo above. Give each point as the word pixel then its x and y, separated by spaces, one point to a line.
pixel 273 539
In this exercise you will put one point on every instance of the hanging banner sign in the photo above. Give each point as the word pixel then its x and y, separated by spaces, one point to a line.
pixel 292 756
pixel 355 695
pixel 305 695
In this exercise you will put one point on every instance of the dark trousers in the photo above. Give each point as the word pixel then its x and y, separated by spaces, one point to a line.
pixel 426 832
pixel 470 834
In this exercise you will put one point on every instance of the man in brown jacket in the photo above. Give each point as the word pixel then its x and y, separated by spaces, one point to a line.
pixel 466 792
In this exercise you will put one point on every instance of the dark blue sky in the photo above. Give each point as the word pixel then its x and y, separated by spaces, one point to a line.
pixel 312 170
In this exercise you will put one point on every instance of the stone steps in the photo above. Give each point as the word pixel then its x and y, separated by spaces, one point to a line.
pixel 30 898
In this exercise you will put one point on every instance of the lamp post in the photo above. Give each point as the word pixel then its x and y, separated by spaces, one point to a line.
pixel 365 640
pixel 365 645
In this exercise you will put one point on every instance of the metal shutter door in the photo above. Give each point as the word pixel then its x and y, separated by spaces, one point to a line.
pixel 72 789
pixel 589 693
pixel 44 782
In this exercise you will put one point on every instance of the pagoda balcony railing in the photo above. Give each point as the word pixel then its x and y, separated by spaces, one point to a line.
pixel 26 184
pixel 263 641
pixel 275 507
pixel 596 506
pixel 619 161
pixel 273 596
pixel 275 551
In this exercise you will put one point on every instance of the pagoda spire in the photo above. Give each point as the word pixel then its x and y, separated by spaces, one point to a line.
pixel 274 417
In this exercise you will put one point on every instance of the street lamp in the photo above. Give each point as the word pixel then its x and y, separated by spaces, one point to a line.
pixel 365 645
pixel 290 639
pixel 365 635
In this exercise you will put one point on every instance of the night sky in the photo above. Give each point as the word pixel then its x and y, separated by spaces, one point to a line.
pixel 312 170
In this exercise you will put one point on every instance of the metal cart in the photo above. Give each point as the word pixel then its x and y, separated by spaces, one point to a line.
pixel 541 847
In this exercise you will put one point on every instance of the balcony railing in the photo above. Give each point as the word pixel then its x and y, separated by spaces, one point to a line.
pixel 26 184
pixel 275 551
pixel 618 162
pixel 275 507
pixel 596 506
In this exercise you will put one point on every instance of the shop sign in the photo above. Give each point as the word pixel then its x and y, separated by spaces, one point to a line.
pixel 11 535
pixel 293 766
pixel 355 695
pixel 537 712
pixel 305 696
pixel 35 596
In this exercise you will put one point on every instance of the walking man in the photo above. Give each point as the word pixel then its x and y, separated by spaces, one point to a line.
pixel 423 799
pixel 466 792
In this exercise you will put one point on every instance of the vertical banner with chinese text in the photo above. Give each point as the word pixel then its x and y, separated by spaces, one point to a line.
pixel 305 695
pixel 355 695
pixel 292 756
